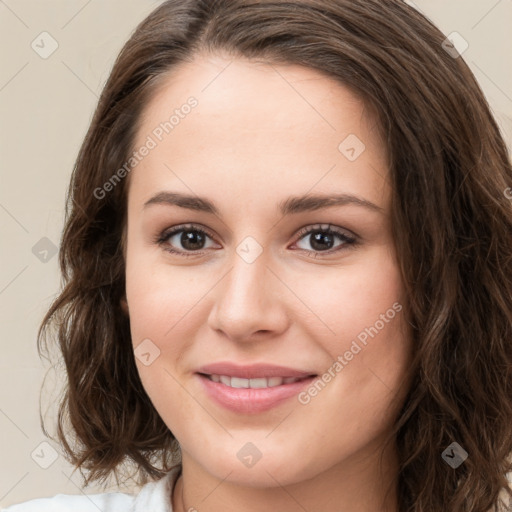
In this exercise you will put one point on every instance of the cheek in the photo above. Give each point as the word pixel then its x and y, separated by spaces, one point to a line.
pixel 358 300
pixel 368 342
pixel 159 296
pixel 364 384
pixel 165 307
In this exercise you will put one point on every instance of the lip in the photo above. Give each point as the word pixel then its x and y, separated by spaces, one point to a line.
pixel 251 400
pixel 253 371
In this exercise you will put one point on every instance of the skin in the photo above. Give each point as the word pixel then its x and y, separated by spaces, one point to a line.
pixel 258 135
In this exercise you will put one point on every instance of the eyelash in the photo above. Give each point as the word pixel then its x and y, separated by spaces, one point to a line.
pixel 348 241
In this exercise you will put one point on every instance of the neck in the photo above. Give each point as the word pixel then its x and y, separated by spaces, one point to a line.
pixel 359 485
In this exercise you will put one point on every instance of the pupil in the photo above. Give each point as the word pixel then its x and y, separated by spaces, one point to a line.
pixel 317 238
pixel 192 240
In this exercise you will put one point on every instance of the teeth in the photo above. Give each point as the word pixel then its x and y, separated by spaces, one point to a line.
pixel 225 380
pixel 255 383
pixel 237 382
pixel 275 381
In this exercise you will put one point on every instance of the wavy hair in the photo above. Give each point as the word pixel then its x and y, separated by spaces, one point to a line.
pixel 451 218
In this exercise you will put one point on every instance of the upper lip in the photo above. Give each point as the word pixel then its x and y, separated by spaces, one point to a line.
pixel 252 371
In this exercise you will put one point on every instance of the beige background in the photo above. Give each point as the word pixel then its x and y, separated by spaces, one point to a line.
pixel 45 108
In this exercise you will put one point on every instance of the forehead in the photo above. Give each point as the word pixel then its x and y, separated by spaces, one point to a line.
pixel 257 127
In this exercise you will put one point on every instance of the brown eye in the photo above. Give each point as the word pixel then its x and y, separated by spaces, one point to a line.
pixel 184 240
pixel 322 239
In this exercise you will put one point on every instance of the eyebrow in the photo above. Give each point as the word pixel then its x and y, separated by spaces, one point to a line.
pixel 294 204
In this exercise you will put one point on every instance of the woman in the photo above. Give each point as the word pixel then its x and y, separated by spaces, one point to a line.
pixel 287 266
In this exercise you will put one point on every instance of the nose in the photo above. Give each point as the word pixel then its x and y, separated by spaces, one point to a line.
pixel 249 302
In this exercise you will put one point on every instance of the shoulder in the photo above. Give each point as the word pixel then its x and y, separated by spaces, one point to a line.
pixel 154 496
pixel 81 503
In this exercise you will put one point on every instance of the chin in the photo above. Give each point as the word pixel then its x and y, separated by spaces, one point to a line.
pixel 273 468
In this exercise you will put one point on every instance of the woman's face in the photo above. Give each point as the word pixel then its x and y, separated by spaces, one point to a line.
pixel 238 149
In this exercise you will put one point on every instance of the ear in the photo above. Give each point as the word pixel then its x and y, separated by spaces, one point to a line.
pixel 124 305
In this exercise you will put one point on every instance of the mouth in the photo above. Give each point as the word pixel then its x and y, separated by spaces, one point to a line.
pixel 256 383
pixel 252 395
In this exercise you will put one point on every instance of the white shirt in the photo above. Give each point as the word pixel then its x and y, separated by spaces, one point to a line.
pixel 154 497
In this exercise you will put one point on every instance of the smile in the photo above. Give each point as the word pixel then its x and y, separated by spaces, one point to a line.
pixel 251 396
pixel 259 383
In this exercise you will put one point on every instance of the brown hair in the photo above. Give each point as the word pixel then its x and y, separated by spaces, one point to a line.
pixel 452 226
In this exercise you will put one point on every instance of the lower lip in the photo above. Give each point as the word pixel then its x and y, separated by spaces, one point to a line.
pixel 249 400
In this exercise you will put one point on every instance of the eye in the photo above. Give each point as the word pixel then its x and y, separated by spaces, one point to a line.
pixel 321 238
pixel 193 238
